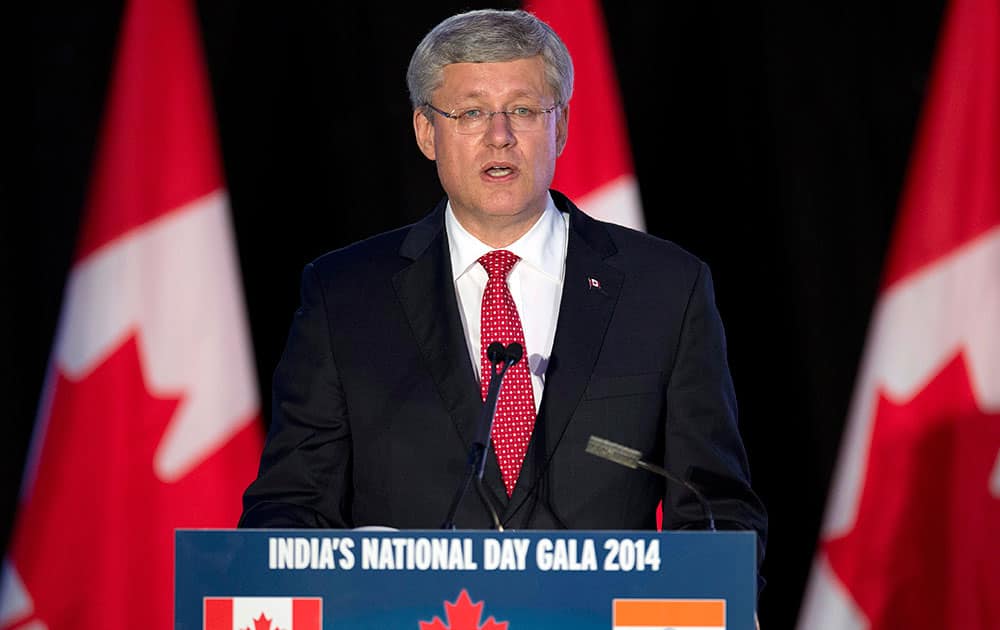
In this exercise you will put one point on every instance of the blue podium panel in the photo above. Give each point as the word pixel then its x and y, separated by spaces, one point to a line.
pixel 464 580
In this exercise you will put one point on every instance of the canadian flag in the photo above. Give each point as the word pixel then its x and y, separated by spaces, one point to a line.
pixel 597 174
pixel 149 417
pixel 911 537
pixel 263 613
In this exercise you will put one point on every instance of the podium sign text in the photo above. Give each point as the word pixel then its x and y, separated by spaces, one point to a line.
pixel 463 580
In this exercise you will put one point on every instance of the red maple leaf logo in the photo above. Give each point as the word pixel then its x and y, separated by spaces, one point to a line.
pixel 463 615
pixel 924 550
pixel 98 515
pixel 262 623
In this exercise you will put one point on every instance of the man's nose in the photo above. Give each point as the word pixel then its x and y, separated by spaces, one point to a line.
pixel 498 131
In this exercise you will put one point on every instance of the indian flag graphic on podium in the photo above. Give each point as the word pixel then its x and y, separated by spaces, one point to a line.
pixel 668 614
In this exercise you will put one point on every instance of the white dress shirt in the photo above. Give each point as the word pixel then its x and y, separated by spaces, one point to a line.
pixel 535 282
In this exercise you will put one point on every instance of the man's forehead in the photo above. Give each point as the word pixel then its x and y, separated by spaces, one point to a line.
pixel 515 93
pixel 519 77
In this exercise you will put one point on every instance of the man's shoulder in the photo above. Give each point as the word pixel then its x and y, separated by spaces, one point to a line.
pixel 642 245
pixel 385 244
pixel 637 252
pixel 626 248
pixel 379 253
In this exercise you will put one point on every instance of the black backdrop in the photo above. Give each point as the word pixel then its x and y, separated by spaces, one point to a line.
pixel 769 140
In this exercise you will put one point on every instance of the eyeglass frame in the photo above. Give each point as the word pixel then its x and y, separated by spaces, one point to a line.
pixel 489 115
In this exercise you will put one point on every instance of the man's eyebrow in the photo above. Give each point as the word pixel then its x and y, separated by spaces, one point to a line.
pixel 475 94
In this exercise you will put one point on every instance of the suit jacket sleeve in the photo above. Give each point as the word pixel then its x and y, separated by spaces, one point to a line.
pixel 304 476
pixel 703 442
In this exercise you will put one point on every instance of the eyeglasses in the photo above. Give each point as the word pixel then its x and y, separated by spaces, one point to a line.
pixel 473 121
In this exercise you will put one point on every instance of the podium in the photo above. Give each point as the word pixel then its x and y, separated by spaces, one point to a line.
pixel 463 580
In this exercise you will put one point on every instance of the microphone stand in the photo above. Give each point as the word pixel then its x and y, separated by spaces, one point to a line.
pixel 630 457
pixel 496 353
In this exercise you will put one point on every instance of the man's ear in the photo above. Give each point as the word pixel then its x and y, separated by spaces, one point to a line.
pixel 423 129
pixel 562 129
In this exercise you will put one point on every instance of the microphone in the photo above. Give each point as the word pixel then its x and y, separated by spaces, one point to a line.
pixel 514 352
pixel 497 354
pixel 630 457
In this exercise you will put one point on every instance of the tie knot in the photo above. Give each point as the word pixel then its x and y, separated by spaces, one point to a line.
pixel 498 263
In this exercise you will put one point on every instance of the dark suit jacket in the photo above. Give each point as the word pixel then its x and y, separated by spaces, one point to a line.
pixel 375 400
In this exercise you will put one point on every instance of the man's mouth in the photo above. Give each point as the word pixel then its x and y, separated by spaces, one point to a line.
pixel 499 170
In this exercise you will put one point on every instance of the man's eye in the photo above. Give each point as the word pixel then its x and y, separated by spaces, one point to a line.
pixel 523 112
pixel 471 114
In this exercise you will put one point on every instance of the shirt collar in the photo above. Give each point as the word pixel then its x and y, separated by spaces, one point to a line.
pixel 543 247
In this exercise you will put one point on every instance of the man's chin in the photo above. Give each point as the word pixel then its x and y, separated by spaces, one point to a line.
pixel 510 215
pixel 511 207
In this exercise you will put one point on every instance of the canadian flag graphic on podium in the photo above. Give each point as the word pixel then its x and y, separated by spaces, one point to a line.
pixel 149 418
pixel 263 613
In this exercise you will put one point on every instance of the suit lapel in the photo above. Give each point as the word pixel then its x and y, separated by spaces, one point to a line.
pixel 427 295
pixel 590 293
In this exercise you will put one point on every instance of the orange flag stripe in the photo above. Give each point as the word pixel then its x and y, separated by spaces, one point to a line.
pixel 669 612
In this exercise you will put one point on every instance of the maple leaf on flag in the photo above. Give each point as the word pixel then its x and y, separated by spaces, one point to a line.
pixel 261 623
pixel 914 530
pixel 462 614
pixel 66 507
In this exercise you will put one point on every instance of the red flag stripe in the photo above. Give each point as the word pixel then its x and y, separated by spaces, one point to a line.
pixel 157 149
pixel 307 614
pixel 951 196
pixel 597 118
pixel 219 613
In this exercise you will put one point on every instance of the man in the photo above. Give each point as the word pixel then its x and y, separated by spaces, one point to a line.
pixel 378 394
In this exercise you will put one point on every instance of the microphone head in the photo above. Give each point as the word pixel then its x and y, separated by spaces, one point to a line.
pixel 632 458
pixel 514 353
pixel 613 452
pixel 495 352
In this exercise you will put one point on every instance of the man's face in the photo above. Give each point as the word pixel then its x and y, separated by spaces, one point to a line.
pixel 498 174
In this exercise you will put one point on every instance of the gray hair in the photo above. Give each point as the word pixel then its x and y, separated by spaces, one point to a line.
pixel 488 36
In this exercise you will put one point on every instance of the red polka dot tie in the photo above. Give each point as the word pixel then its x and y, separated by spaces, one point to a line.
pixel 515 414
